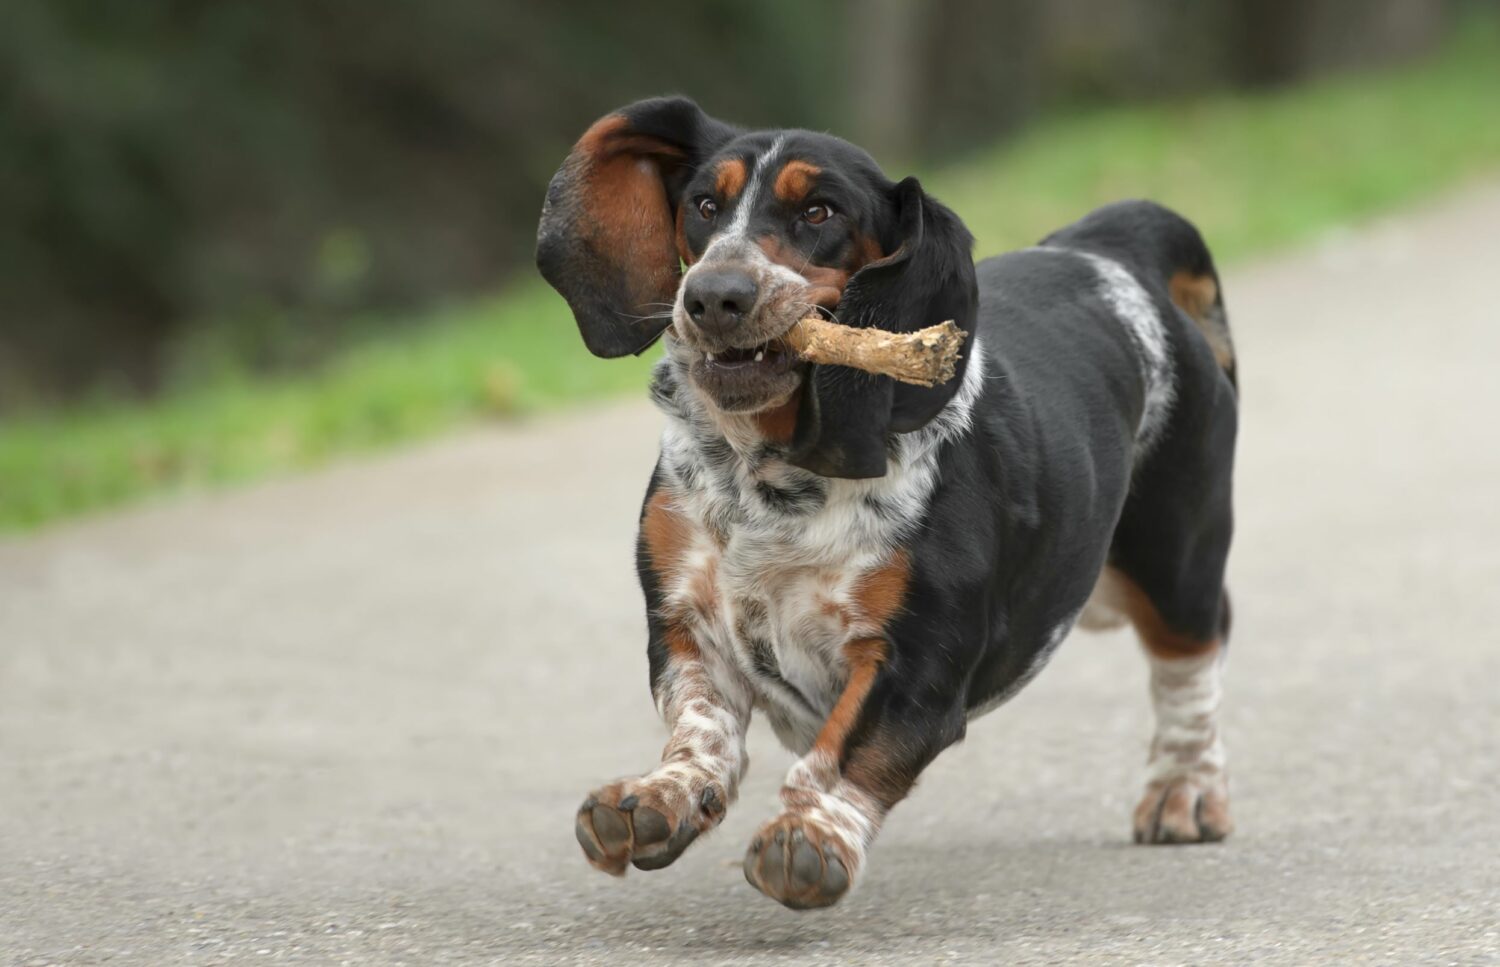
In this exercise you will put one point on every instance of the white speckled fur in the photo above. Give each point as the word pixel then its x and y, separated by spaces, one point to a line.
pixel 757 575
pixel 1185 694
pixel 707 710
pixel 772 572
pixel 846 814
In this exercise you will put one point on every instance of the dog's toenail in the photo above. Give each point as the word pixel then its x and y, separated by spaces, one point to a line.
pixel 629 803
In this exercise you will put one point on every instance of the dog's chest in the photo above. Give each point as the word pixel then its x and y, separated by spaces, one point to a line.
pixel 781 596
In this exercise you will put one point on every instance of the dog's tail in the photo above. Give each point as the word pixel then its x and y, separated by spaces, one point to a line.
pixel 1172 250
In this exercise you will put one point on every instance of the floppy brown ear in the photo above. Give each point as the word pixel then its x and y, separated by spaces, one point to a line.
pixel 606 241
pixel 846 417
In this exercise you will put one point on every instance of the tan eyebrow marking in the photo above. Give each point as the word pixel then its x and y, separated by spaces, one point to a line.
pixel 795 180
pixel 730 177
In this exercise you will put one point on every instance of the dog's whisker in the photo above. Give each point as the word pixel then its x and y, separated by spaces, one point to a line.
pixel 645 318
pixel 813 309
pixel 811 251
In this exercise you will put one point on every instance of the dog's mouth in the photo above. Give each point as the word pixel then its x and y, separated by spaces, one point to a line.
pixel 745 379
pixel 767 358
pixel 761 370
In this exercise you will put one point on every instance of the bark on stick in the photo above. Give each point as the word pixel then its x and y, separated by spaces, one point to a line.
pixel 926 357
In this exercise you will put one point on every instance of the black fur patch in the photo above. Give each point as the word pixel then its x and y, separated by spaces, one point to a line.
pixel 798 500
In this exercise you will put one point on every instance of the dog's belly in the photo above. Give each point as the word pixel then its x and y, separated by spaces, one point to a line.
pixel 787 633
pixel 783 625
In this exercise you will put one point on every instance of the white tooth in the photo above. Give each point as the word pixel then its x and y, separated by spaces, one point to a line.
pixel 759 355
pixel 709 357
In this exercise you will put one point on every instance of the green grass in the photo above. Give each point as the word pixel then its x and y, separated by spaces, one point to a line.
pixel 1254 173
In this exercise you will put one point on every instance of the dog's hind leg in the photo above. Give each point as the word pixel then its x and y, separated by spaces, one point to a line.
pixel 1166 574
pixel 1187 793
pixel 1187 787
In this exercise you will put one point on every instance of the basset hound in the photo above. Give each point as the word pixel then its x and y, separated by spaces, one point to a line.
pixel 871 565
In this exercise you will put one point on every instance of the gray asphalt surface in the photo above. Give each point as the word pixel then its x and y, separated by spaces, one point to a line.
pixel 346 719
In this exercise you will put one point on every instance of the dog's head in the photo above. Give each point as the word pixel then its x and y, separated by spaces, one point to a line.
pixel 662 216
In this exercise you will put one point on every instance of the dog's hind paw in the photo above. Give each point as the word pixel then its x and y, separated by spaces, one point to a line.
pixel 1184 810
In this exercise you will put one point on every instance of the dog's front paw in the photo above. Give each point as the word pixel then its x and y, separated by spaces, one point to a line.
pixel 801 863
pixel 1186 809
pixel 647 822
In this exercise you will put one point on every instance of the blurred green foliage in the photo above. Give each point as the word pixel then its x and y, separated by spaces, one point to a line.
pixel 1253 171
pixel 194 183
pixel 193 188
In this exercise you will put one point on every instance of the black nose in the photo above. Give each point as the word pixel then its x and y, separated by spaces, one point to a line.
pixel 718 300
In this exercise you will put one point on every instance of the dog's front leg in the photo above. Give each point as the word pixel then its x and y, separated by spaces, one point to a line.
pixel 648 821
pixel 866 758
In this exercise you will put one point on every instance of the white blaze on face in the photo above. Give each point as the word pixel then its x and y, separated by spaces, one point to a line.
pixel 739 226
pixel 734 244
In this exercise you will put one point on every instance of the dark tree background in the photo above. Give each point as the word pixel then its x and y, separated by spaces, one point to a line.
pixel 250 177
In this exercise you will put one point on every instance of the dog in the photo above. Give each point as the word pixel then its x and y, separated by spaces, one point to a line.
pixel 873 565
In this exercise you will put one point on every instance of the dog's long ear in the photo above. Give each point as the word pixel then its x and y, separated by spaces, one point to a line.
pixel 846 417
pixel 606 240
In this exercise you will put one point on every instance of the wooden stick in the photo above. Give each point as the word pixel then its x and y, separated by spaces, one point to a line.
pixel 926 357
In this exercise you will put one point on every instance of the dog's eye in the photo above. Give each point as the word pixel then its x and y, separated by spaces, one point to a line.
pixel 707 207
pixel 816 214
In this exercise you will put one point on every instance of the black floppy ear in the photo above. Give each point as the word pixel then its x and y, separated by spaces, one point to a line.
pixel 846 416
pixel 607 238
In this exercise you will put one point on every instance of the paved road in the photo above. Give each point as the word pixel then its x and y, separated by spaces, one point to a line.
pixel 347 718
